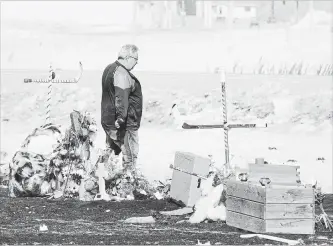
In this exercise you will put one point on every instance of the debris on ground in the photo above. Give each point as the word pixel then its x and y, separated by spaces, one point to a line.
pixel 211 204
pixel 158 195
pixel 322 220
pixel 208 207
pixel 128 184
pixel 181 221
pixel 178 212
pixel 207 243
pixel 322 238
pixel 140 220
pixel 163 188
pixel 57 194
pixel 277 239
pixel 43 228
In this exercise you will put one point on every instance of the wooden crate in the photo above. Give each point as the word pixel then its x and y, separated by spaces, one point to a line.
pixel 186 187
pixel 271 209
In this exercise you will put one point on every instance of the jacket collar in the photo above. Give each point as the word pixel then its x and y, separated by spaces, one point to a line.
pixel 119 64
pixel 129 72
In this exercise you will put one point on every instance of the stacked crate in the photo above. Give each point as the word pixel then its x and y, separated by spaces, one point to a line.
pixel 281 205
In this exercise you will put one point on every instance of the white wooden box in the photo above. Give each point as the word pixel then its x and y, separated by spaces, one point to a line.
pixel 186 187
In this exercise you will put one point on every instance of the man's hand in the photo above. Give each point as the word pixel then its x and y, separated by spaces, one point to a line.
pixel 119 122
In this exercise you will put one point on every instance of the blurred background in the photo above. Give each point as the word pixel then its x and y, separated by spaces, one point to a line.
pixel 239 35
pixel 148 15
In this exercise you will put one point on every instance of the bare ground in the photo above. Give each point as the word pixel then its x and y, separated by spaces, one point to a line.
pixel 71 221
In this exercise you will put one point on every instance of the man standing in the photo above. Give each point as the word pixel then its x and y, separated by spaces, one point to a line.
pixel 121 107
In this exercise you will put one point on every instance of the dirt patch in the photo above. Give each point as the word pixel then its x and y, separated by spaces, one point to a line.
pixel 70 221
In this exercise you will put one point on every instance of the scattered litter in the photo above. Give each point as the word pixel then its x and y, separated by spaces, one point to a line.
pixel 207 243
pixel 143 192
pixel 278 239
pixel 140 194
pixel 181 221
pixel 129 197
pixel 161 189
pixel 57 194
pixel 43 227
pixel 177 212
pixel 217 214
pixel 322 238
pixel 209 205
pixel 158 195
pixel 104 197
pixel 107 211
pixel 140 220
pixel 116 198
pixel 323 218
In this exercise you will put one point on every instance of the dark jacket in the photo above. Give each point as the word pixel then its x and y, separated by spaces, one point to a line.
pixel 121 98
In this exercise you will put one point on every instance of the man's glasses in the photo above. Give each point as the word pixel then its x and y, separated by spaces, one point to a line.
pixel 135 58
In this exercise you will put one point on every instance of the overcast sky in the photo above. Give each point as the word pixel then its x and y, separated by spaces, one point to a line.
pixel 78 11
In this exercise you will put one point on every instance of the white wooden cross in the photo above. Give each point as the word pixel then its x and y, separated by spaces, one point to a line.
pixel 50 80
pixel 226 127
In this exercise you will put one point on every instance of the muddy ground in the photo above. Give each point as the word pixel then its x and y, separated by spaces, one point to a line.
pixel 71 221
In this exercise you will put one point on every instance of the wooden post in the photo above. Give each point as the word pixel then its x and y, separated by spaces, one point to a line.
pixel 49 96
pixel 225 118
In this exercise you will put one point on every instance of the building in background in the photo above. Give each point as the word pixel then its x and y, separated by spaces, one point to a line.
pixel 171 14
pixel 210 14
pixel 190 7
pixel 156 14
pixel 240 10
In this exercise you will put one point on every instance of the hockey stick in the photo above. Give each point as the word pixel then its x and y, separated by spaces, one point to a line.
pixel 183 171
pixel 196 175
pixel 228 126
pixel 74 80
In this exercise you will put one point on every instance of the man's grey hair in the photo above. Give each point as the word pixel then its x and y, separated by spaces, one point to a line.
pixel 127 50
